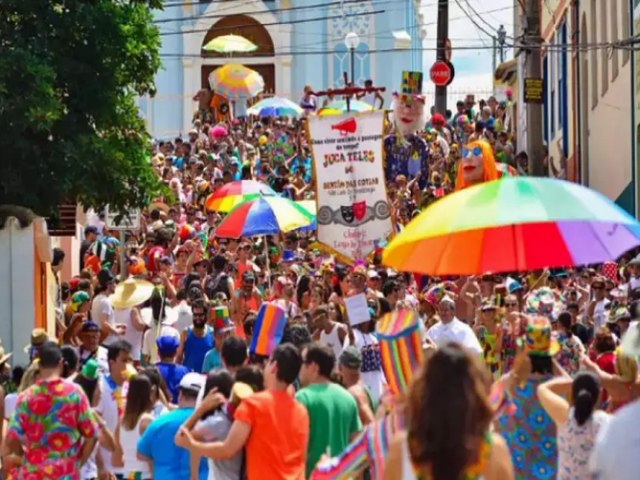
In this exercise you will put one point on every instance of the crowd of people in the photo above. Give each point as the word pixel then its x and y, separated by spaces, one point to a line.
pixel 155 376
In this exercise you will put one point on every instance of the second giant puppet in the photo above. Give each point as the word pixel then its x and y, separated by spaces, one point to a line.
pixel 405 152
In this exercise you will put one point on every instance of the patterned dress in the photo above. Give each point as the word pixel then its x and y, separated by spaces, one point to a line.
pixel 571 349
pixel 406 156
pixel 51 420
pixel 530 434
pixel 575 444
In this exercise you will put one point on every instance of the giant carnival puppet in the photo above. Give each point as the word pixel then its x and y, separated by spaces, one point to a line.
pixel 478 164
pixel 405 152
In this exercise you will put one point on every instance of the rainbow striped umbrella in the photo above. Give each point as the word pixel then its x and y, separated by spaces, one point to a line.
pixel 513 224
pixel 338 107
pixel 235 81
pixel 234 193
pixel 276 107
pixel 263 216
pixel 230 44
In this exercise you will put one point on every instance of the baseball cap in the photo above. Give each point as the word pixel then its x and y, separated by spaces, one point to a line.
pixel 105 277
pixel 89 326
pixel 167 345
pixel 192 381
pixel 351 358
pixel 91 229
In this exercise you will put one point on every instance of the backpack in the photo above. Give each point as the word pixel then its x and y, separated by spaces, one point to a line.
pixel 219 283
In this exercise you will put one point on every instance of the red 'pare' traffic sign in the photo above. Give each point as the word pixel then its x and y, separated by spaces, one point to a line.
pixel 441 73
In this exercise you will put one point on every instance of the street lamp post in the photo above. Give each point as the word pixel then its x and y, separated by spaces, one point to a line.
pixel 352 40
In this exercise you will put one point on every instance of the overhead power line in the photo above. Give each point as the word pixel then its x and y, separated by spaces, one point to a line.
pixel 306 20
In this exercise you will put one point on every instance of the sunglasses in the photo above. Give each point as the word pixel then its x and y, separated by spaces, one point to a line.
pixel 475 151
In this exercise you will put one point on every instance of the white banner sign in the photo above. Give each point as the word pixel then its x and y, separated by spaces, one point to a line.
pixel 353 212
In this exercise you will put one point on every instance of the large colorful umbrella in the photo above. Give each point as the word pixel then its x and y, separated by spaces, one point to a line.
pixel 513 224
pixel 311 208
pixel 234 193
pixel 263 216
pixel 236 81
pixel 230 44
pixel 338 107
pixel 276 107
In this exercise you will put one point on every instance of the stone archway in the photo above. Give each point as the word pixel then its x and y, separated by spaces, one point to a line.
pixel 250 29
pixel 194 36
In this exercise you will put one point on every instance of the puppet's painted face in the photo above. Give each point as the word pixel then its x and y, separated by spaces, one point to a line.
pixel 409 114
pixel 471 164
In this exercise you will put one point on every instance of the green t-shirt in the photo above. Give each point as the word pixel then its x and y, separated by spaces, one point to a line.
pixel 333 417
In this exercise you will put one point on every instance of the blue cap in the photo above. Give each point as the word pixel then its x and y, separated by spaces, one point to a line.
pixel 288 256
pixel 167 345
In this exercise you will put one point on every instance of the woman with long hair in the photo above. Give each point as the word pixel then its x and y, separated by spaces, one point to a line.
pixel 159 392
pixel 578 422
pixel 134 422
pixel 448 424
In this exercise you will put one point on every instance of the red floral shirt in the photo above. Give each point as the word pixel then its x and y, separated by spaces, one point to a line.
pixel 51 420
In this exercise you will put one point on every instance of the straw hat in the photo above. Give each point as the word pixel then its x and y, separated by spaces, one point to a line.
pixel 4 356
pixel 131 292
pixel 38 337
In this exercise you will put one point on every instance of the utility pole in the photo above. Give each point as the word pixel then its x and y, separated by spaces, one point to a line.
pixel 532 43
pixel 443 34
pixel 495 54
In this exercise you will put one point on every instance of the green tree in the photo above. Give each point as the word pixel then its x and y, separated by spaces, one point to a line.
pixel 70 71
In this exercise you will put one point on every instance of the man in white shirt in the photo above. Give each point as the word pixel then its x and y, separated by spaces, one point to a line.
pixel 615 454
pixel 102 310
pixel 450 329
pixel 597 310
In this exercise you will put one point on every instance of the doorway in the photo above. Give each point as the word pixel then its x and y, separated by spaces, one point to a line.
pixel 267 70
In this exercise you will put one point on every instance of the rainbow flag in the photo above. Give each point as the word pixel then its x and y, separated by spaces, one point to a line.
pixel 268 329
pixel 401 351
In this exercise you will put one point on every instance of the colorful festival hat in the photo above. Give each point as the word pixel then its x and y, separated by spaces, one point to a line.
pixel 411 84
pixel 268 329
pixel 221 319
pixel 539 340
pixel 78 299
pixel 401 353
pixel 543 302
pixel 610 271
pixel 437 292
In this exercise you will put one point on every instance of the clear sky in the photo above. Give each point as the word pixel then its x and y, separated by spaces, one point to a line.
pixel 472 67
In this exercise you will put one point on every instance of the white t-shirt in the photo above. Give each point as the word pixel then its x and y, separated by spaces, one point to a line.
pixel 131 335
pixel 102 306
pixel 600 313
pixel 185 317
pixel 455 331
pixel 111 396
pixel 166 328
pixel 10 405
pixel 615 455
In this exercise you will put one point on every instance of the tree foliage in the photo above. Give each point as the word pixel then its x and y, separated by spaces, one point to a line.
pixel 70 71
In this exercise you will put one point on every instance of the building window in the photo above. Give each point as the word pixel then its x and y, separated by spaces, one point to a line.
pixel 614 36
pixel 553 55
pixel 563 106
pixel 594 56
pixel 604 52
pixel 624 9
pixel 342 63
pixel 545 99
